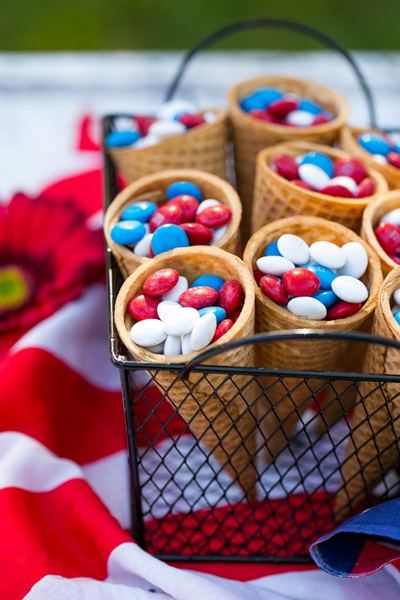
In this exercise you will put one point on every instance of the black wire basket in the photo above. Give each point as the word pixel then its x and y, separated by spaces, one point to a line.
pixel 186 505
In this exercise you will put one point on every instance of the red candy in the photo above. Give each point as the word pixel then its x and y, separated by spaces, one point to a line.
pixel 342 309
pixel 235 315
pixel 199 297
pixel 214 216
pixel 281 108
pixel 222 329
pixel 169 213
pixel 144 124
pixel 300 282
pixel 230 296
pixel 273 287
pixel 393 159
pixel 188 205
pixel 320 120
pixel 160 282
pixel 388 235
pixel 366 188
pixel 339 191
pixel 303 184
pixel 197 234
pixel 350 167
pixel 258 275
pixel 191 120
pixel 395 258
pixel 286 166
pixel 262 115
pixel 143 307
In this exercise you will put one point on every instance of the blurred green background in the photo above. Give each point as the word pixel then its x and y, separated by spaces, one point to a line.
pixel 31 25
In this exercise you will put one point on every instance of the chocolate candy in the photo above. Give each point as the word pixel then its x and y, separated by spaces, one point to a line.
pixel 191 121
pixel 301 282
pixel 212 281
pixel 350 167
pixel 139 211
pixel 388 235
pixel 214 216
pixel 220 313
pixel 222 328
pixel 197 234
pixel 165 215
pixel 168 237
pixel 286 166
pixel 325 275
pixel 160 282
pixel 120 139
pixel 128 232
pixel 337 191
pixel 273 287
pixel 342 310
pixel 230 296
pixel 319 160
pixel 199 297
pixel 143 307
pixel 188 205
pixel 366 188
pixel 184 188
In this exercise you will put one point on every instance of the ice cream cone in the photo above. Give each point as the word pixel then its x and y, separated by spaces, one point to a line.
pixel 216 407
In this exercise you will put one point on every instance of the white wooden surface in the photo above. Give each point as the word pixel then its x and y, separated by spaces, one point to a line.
pixel 43 95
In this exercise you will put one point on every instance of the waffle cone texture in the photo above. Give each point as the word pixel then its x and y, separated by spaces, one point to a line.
pixel 372 215
pixel 276 198
pixel 251 135
pixel 281 401
pixel 216 408
pixel 349 143
pixel 154 188
pixel 203 147
pixel 374 445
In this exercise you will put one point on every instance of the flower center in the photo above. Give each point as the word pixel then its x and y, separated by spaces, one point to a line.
pixel 14 288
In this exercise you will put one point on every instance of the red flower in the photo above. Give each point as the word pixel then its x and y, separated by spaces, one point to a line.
pixel 47 256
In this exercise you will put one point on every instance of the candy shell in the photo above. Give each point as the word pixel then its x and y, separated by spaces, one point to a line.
pixel 172 346
pixel 128 232
pixel 219 233
pixel 350 167
pixel 319 160
pixel 235 315
pixel 388 235
pixel 356 260
pixel 188 205
pixel 203 332
pixel 366 188
pixel 197 234
pixel 396 296
pixel 274 265
pixel 274 289
pixel 165 215
pixel 313 176
pixel 272 250
pixel 166 307
pixel 268 95
pixel 258 275
pixel 142 248
pixel 180 287
pixel 325 276
pixel 230 296
pixel 307 307
pixel 186 347
pixel 395 258
pixel 282 107
pixel 166 129
pixel 263 115
pixel 321 120
pixel 346 182
pixel 328 254
pixel 191 121
pixel 220 313
pixel 338 191
pixel 349 289
pixel 184 188
pixel 143 307
pixel 207 204
pixel 294 248
pixel 140 211
pixel 301 282
pixel 121 139
pixel 148 333
pixel 143 124
pixel 214 216
pixel 374 143
pixel 310 106
pixel 392 217
pixel 327 297
pixel 342 310
pixel 168 237
pixel 181 322
pixel 393 159
pixel 252 102
pixel 212 281
pixel 199 297
pixel 300 118
pixel 286 166
pixel 160 282
pixel 222 329
pixel 157 348
pixel 396 316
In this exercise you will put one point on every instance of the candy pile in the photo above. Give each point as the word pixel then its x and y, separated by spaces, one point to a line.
pixel 173 319
pixel 273 106
pixel 314 171
pixel 382 147
pixel 171 119
pixel 185 220
pixel 314 282
pixel 388 234
pixel 396 307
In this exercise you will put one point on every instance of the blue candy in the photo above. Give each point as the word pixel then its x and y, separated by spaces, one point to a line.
pixel 252 103
pixel 267 96
pixel 212 281
pixel 272 250
pixel 374 143
pixel 310 106
pixel 180 188
pixel 119 139
pixel 128 232
pixel 397 316
pixel 319 160
pixel 325 275
pixel 140 211
pixel 328 298
pixel 168 237
pixel 220 313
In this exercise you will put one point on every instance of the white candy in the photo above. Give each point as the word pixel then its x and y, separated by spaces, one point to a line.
pixel 314 176
pixel 203 331
pixel 300 118
pixel 356 260
pixel 169 110
pixel 172 346
pixel 379 158
pixel 207 204
pixel 346 182
pixel 219 233
pixel 142 248
pixel 210 116
pixel 178 289
pixel 307 307
pixel 294 248
pixel 328 255
pixel 396 296
pixel 395 308
pixel 180 322
pixel 147 141
pixel 392 217
pixel 164 309
pixel 158 349
pixel 186 347
pixel 166 129
pixel 274 265
pixel 149 332
pixel 349 289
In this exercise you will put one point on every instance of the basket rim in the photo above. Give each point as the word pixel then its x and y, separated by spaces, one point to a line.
pixel 367 227
pixel 350 132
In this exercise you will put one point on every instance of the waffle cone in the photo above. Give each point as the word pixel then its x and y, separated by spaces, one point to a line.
pixel 280 401
pixel 203 147
pixel 374 444
pixel 216 407
pixel 372 215
pixel 251 135
pixel 275 197
pixel 154 187
pixel 349 143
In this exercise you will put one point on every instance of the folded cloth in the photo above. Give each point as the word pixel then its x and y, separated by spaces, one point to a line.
pixel 363 544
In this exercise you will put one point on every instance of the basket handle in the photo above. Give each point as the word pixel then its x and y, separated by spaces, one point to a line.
pixel 268 23
pixel 287 336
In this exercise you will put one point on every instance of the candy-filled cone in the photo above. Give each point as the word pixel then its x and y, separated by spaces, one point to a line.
pixel 251 135
pixel 216 407
pixel 283 404
pixel 372 215
pixel 276 197
pixel 349 143
pixel 153 188
pixel 204 147
pixel 373 448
